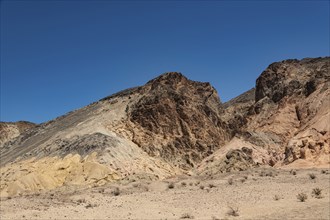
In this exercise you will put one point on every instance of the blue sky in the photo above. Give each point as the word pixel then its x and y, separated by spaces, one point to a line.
pixel 57 56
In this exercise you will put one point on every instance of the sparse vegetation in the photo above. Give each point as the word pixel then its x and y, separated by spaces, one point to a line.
pixel 89 205
pixel 116 192
pixel 264 173
pixel 186 216
pixel 211 185
pixel 293 172
pixel 243 180
pixel 312 176
pixel 302 197
pixel 230 181
pixel 233 211
pixel 277 197
pixel 183 184
pixel 323 171
pixel 201 187
pixel 170 185
pixel 79 201
pixel 317 193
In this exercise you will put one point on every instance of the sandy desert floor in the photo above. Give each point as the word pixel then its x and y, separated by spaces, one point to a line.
pixel 255 194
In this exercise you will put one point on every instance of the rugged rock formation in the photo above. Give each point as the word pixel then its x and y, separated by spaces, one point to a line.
pixel 284 121
pixel 291 105
pixel 172 126
pixel 178 119
pixel 11 130
pixel 235 111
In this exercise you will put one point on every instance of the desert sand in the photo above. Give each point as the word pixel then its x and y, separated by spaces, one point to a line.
pixel 261 193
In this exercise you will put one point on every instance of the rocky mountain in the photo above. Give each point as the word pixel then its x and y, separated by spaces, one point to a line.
pixel 287 123
pixel 173 126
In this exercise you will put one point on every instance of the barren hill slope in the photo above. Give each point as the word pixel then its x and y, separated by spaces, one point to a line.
pixel 154 131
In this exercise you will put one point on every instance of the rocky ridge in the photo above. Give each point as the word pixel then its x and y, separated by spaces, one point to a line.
pixel 172 126
pixel 287 123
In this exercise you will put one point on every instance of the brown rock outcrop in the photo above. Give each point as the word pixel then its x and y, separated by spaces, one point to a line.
pixel 178 119
pixel 292 103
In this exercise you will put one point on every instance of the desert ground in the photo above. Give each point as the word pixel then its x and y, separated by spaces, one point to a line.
pixel 260 193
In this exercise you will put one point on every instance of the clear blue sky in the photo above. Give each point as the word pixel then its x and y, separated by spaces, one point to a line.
pixel 57 56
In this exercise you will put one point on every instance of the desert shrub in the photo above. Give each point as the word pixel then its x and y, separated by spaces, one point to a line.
pixel 270 173
pixel 89 205
pixel 233 211
pixel 211 185
pixel 262 173
pixel 317 193
pixel 323 171
pixel 186 216
pixel 230 181
pixel 79 201
pixel 312 176
pixel 243 180
pixel 116 192
pixel 246 177
pixel 170 185
pixel 302 197
pixel 293 172
pixel 190 184
pixel 277 197
pixel 183 184
pixel 201 187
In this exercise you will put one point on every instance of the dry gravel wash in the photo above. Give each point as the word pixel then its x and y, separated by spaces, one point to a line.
pixel 252 192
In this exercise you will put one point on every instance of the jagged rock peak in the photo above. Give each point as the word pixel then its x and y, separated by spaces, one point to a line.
pixel 171 77
pixel 178 83
pixel 287 77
